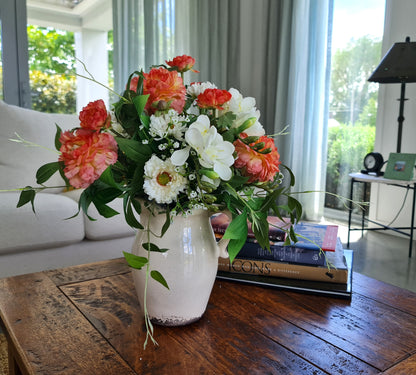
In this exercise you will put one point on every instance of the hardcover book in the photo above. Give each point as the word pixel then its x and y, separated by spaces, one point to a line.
pixel 315 236
pixel 280 253
pixel 343 290
pixel 335 269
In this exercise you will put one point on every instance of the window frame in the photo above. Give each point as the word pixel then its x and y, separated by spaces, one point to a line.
pixel 16 86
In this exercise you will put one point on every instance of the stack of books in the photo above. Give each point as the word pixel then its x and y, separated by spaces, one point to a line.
pixel 317 263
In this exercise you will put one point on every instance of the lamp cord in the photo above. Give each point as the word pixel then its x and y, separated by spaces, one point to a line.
pixel 401 208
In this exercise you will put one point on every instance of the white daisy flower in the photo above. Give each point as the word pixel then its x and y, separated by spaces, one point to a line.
pixel 161 182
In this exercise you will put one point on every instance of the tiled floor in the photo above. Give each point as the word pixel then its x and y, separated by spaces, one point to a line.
pixel 382 256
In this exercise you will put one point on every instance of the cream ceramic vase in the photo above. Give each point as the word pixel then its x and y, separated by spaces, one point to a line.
pixel 189 267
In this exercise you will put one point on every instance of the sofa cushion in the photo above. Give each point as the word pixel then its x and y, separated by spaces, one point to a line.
pixel 18 162
pixel 21 229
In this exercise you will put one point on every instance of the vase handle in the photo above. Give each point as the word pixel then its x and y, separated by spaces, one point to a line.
pixel 223 242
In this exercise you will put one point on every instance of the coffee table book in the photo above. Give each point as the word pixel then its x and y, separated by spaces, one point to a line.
pixel 337 273
pixel 342 290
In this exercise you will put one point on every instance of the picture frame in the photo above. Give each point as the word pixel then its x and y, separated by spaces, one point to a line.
pixel 400 166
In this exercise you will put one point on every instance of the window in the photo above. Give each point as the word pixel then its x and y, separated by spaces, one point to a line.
pixel 51 58
pixel 356 52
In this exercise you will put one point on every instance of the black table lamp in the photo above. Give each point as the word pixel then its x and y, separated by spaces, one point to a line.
pixel 398 66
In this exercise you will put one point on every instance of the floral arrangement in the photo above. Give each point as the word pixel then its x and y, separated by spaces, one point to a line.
pixel 174 148
pixel 177 148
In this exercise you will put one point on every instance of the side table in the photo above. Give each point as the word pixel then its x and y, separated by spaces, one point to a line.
pixel 369 179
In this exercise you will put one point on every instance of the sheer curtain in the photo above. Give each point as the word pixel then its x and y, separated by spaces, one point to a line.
pixel 272 50
pixel 307 100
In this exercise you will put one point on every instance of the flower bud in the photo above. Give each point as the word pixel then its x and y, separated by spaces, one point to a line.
pixel 162 105
pixel 250 139
pixel 258 146
pixel 209 173
pixel 246 124
pixel 265 151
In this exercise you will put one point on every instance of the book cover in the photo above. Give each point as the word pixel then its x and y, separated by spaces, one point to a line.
pixel 337 273
pixel 316 235
pixel 280 253
pixel 220 223
pixel 303 286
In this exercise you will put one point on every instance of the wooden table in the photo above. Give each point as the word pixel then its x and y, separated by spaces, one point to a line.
pixel 85 320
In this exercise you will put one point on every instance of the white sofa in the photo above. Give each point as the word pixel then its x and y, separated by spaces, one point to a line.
pixel 46 240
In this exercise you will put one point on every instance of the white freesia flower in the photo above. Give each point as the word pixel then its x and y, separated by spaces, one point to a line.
pixel 213 151
pixel 169 124
pixel 161 181
pixel 244 108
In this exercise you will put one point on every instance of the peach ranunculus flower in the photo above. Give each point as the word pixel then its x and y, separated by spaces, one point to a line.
pixel 182 63
pixel 86 154
pixel 213 98
pixel 261 165
pixel 166 90
pixel 94 116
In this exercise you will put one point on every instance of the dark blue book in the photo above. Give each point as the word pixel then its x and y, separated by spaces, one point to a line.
pixel 280 253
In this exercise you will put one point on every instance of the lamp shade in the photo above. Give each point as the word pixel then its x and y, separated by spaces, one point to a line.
pixel 398 65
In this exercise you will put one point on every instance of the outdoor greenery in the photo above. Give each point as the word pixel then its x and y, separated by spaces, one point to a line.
pixel 51 67
pixel 353 106
pixel 51 57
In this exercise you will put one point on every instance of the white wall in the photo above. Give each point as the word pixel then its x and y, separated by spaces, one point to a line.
pixel 385 200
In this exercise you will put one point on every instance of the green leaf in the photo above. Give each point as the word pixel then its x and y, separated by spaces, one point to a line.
pixel 135 261
pixel 295 207
pixel 166 225
pixel 105 211
pixel 238 227
pixel 108 178
pixel 26 196
pixel 46 171
pixel 84 202
pixel 58 143
pixel 292 176
pixel 129 214
pixel 139 102
pixel 234 247
pixel 156 275
pixel 152 247
pixel 260 227
pixel 134 150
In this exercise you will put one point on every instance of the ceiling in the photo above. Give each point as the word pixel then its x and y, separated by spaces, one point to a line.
pixel 72 15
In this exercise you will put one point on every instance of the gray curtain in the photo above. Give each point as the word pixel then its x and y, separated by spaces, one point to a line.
pixel 143 36
pixel 238 45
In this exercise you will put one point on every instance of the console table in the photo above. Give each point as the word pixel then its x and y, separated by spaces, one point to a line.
pixel 369 179
pixel 86 320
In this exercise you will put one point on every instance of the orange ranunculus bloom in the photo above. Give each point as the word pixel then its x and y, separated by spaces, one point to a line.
pixel 255 165
pixel 213 98
pixel 165 88
pixel 182 63
pixel 94 116
pixel 86 154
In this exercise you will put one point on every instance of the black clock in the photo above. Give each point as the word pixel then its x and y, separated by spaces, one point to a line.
pixel 373 163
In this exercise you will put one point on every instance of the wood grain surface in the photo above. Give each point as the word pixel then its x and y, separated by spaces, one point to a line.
pixel 87 320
